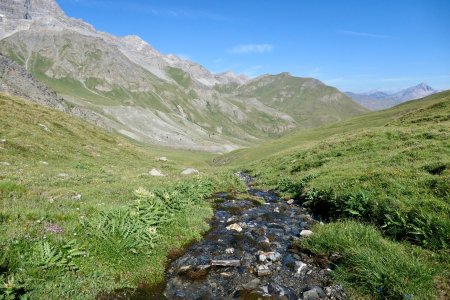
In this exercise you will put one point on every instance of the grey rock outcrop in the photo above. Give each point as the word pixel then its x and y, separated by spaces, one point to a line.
pixel 15 80
pixel 28 9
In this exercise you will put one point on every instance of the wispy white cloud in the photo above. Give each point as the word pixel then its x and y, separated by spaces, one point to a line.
pixel 158 11
pixel 364 34
pixel 251 48
pixel 185 13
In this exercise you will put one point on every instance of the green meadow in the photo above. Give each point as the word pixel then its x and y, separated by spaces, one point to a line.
pixel 80 214
pixel 381 184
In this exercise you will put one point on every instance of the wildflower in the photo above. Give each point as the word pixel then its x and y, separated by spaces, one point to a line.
pixel 143 193
pixel 53 228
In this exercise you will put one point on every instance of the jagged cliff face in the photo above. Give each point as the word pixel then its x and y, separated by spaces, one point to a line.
pixel 29 9
pixel 157 98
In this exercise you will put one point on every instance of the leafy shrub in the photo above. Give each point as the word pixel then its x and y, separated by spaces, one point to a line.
pixel 134 228
pixel 293 187
pixel 11 288
pixel 118 232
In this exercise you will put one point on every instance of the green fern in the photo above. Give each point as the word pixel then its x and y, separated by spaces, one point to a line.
pixel 49 256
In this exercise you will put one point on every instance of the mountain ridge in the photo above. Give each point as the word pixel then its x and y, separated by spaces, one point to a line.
pixel 157 98
pixel 376 100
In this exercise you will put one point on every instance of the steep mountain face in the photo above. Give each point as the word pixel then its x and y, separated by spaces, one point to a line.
pixel 419 91
pixel 381 100
pixel 16 81
pixel 156 98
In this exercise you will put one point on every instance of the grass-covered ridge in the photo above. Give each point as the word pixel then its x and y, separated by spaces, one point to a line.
pixel 390 169
pixel 79 213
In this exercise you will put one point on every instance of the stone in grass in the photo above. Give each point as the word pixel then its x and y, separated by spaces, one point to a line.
pixel 76 197
pixel 156 173
pixel 63 175
pixel 163 158
pixel 4 163
pixel 306 233
pixel 189 171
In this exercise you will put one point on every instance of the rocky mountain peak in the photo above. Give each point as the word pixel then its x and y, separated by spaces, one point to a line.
pixel 29 9
pixel 136 41
pixel 45 7
pixel 423 86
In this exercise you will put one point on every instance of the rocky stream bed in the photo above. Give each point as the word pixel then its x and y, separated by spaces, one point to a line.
pixel 249 253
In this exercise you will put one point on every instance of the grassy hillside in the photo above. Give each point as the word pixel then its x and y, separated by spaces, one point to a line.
pixel 79 212
pixel 307 138
pixel 382 180
pixel 310 102
pixel 178 111
pixel 90 73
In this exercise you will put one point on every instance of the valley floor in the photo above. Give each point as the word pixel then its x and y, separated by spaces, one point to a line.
pixel 81 215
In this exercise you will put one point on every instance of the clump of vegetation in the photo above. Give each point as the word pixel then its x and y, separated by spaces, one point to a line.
pixel 373 265
pixel 388 170
pixel 181 77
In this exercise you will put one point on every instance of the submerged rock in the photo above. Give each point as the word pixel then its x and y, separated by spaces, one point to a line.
pixel 263 270
pixel 252 285
pixel 235 227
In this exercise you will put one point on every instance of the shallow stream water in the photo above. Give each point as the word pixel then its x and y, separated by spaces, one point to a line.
pixel 250 252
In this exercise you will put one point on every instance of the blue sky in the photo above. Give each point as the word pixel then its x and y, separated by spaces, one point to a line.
pixel 355 45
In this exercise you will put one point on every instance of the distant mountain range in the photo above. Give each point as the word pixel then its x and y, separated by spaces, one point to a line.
pixel 377 100
pixel 152 97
